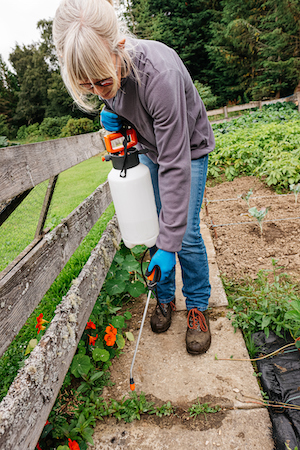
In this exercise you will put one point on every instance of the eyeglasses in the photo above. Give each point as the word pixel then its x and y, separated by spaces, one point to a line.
pixel 106 82
pixel 100 83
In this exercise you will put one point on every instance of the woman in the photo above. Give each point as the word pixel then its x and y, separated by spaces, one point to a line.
pixel 146 84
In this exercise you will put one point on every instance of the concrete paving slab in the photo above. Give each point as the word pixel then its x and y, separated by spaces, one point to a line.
pixel 165 371
pixel 239 430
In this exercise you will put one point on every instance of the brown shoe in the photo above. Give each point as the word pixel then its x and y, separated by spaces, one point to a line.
pixel 162 316
pixel 198 337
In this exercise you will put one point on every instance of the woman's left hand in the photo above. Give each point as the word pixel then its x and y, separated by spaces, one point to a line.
pixel 165 260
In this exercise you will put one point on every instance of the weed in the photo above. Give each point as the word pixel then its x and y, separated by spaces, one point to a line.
pixel 204 408
pixel 263 305
pixel 165 410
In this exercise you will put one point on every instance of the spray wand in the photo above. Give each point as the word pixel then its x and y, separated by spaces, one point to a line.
pixel 153 278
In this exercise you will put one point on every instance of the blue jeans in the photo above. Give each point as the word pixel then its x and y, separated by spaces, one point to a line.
pixel 192 256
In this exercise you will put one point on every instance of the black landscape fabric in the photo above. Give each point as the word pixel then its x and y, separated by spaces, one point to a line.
pixel 280 380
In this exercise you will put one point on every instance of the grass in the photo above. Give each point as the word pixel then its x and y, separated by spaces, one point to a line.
pixel 73 187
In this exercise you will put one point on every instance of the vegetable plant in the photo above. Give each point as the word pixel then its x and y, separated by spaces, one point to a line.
pixel 259 216
pixel 246 196
pixel 296 189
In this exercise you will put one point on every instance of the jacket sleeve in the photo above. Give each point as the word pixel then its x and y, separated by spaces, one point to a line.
pixel 166 102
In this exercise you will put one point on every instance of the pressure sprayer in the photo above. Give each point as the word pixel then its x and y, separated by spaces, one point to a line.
pixel 133 197
pixel 132 191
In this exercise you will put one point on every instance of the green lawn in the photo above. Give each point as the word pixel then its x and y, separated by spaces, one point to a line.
pixel 73 186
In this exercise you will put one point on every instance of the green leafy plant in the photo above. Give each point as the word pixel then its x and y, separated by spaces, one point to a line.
pixel 246 196
pixel 261 304
pixel 293 320
pixel 165 410
pixel 204 408
pixel 259 215
pixel 296 189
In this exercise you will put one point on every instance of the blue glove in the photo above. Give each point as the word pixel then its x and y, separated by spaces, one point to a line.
pixel 165 260
pixel 110 121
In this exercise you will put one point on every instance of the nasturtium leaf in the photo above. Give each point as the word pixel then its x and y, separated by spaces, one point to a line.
pixel 119 259
pixel 130 264
pixel 129 336
pixel 114 287
pixel 122 275
pixel 136 289
pixel 100 354
pixel 127 315
pixel 81 365
pixel 118 322
pixel 120 341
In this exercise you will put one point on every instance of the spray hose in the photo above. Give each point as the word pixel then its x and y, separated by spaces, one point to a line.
pixel 153 278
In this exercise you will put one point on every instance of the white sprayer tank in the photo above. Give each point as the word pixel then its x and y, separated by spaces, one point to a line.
pixel 135 207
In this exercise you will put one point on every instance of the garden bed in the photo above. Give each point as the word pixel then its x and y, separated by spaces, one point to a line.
pixel 240 249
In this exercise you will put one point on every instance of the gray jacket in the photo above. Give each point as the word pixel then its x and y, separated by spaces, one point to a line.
pixel 170 119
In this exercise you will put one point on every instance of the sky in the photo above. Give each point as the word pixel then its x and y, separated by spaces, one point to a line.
pixel 18 20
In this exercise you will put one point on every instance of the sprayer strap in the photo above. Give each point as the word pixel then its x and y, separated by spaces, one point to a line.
pixel 124 169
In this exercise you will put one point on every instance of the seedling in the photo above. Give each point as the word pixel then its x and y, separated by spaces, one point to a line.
pixel 204 408
pixel 259 215
pixel 247 196
pixel 296 189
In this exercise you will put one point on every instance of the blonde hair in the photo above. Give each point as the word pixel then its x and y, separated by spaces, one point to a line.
pixel 86 33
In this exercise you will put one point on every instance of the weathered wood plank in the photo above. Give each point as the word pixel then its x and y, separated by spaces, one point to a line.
pixel 25 409
pixel 258 104
pixel 215 112
pixel 24 166
pixel 24 286
pixel 242 107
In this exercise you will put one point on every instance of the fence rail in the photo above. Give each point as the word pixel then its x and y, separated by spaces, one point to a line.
pixel 24 410
pixel 258 104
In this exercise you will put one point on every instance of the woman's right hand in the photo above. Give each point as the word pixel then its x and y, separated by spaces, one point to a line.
pixel 110 121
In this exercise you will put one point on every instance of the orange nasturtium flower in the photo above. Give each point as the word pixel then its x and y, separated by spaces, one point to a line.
pixel 40 322
pixel 111 329
pixel 73 445
pixel 92 339
pixel 111 335
pixel 90 326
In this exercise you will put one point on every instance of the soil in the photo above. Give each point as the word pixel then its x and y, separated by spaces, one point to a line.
pixel 241 249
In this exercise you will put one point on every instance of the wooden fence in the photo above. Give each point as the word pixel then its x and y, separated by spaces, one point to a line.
pixel 25 409
pixel 259 104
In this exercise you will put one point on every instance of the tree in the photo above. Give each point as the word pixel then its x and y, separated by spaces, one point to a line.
pixel 280 52
pixel 33 75
pixel 183 25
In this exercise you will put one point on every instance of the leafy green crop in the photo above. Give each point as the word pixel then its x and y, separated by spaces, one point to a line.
pixel 263 143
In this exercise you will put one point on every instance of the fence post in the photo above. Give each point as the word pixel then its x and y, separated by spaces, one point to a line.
pixel 298 100
pixel 225 112
pixel 260 104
